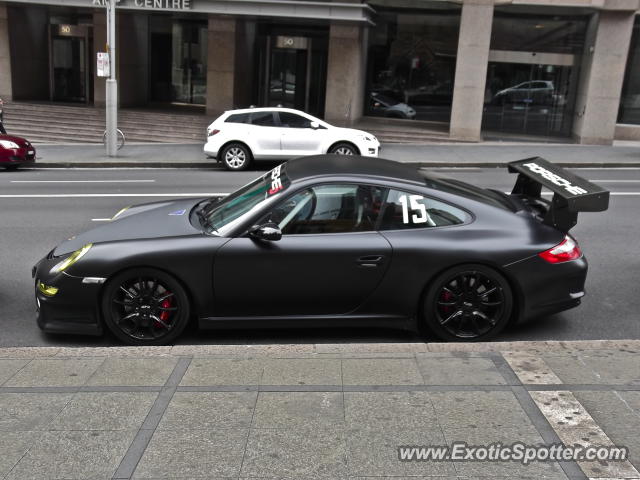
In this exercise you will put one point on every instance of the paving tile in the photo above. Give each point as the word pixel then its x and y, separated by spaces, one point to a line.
pixel 302 372
pixel 209 410
pixel 478 410
pixel 612 411
pixel 484 437
pixel 632 400
pixel 55 372
pixel 223 371
pixel 531 369
pixel 410 410
pixel 562 410
pixel 459 371
pixel 618 368
pixel 13 445
pixel 299 409
pixel 295 453
pixel 9 367
pixel 374 371
pixel 151 371
pixel 30 411
pixel 73 455
pixel 570 369
pixel 193 453
pixel 375 452
pixel 104 411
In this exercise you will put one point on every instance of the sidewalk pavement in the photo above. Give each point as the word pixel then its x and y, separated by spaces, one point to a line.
pixel 330 411
pixel 488 154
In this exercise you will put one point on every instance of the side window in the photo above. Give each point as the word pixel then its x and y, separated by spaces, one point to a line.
pixel 291 120
pixel 263 119
pixel 238 118
pixel 330 209
pixel 404 210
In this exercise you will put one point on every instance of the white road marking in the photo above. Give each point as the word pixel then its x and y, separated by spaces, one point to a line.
pixel 100 195
pixel 82 181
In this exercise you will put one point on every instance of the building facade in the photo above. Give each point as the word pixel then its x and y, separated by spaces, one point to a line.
pixel 551 68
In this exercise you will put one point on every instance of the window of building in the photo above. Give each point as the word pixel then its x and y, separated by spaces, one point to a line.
pixel 411 63
pixel 630 101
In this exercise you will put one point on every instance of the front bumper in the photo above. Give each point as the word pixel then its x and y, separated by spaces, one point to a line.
pixel 75 308
pixel 17 156
pixel 544 288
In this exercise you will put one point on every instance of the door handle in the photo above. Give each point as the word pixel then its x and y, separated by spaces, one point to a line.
pixel 370 260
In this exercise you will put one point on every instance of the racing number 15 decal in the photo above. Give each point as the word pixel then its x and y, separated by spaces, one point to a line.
pixel 413 202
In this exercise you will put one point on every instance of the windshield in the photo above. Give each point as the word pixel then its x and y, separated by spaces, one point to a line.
pixel 232 210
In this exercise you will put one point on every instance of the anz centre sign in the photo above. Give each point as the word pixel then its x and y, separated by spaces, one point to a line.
pixel 150 4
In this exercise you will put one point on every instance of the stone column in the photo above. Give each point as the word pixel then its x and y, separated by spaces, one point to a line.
pixel 345 74
pixel 471 69
pixel 99 45
pixel 601 76
pixel 6 90
pixel 220 64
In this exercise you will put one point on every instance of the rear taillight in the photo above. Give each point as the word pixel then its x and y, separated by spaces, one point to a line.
pixel 565 251
pixel 211 133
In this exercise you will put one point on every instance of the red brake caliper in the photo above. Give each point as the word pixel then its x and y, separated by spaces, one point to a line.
pixel 164 315
pixel 446 297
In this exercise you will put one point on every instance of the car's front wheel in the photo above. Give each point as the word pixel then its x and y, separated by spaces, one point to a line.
pixel 468 303
pixel 145 307
pixel 343 149
pixel 236 156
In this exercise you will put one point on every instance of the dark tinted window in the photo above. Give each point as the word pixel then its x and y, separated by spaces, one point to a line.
pixel 330 209
pixel 238 118
pixel 404 210
pixel 291 120
pixel 263 119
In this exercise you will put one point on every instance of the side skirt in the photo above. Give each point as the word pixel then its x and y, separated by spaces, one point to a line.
pixel 309 321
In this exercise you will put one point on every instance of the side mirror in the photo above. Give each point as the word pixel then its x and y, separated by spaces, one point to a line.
pixel 269 232
pixel 314 125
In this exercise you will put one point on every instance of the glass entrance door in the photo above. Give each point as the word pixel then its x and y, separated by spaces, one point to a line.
pixel 69 69
pixel 528 98
pixel 288 78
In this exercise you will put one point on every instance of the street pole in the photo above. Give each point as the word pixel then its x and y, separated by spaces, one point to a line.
pixel 112 84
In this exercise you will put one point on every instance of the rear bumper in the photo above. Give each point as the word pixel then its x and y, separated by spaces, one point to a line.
pixel 73 309
pixel 544 288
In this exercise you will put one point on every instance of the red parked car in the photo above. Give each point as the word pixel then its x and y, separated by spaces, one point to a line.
pixel 15 151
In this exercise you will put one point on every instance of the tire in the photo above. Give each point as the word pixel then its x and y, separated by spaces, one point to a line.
pixel 236 157
pixel 11 168
pixel 468 303
pixel 145 306
pixel 343 148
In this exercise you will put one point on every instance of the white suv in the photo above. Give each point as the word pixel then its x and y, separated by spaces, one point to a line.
pixel 238 137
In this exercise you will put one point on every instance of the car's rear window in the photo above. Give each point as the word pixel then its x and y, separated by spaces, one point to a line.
pixel 238 118
pixel 457 187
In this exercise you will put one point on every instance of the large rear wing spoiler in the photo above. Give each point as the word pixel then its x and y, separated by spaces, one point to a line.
pixel 571 193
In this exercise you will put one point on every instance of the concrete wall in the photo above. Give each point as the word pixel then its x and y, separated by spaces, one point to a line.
pixel 6 91
pixel 346 66
pixel 471 69
pixel 221 64
pixel 601 76
pixel 133 59
pixel 29 41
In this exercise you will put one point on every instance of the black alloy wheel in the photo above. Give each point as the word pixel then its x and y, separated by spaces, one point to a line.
pixel 343 149
pixel 468 303
pixel 145 307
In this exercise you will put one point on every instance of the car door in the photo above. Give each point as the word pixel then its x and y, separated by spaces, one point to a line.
pixel 329 260
pixel 264 135
pixel 298 137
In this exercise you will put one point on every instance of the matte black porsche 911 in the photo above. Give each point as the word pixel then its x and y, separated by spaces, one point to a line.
pixel 328 240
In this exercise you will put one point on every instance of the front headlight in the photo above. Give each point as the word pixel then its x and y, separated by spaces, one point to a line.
pixel 71 259
pixel 9 144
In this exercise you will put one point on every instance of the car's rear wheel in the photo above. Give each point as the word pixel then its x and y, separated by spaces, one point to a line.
pixel 468 303
pixel 236 156
pixel 145 307
pixel 343 148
